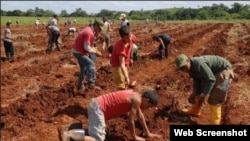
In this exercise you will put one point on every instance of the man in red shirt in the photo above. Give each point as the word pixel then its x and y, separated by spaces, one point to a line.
pixel 82 48
pixel 121 58
pixel 115 104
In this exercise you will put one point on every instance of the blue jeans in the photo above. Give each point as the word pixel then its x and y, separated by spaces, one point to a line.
pixel 87 66
pixel 93 57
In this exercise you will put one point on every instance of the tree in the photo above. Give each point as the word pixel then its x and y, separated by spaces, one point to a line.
pixel 105 12
pixel 38 12
pixel 30 12
pixel 79 13
pixel 17 13
pixel 245 12
pixel 202 14
pixel 64 13
pixel 3 13
pixel 236 7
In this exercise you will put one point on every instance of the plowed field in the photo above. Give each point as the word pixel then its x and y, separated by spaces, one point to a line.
pixel 37 89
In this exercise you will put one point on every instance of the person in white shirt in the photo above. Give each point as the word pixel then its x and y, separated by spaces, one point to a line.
pixel 71 30
pixel 37 22
pixel 106 32
pixel 52 22
pixel 54 36
pixel 123 17
pixel 8 43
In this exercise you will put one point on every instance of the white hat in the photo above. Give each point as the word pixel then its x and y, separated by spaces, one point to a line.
pixel 123 15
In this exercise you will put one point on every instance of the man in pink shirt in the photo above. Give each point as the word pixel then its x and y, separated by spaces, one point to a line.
pixel 115 104
pixel 82 48
pixel 121 58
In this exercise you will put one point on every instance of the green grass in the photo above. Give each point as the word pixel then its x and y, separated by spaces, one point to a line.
pixel 31 20
pixel 85 20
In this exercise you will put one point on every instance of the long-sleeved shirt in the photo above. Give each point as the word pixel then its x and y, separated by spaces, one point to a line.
pixel 204 69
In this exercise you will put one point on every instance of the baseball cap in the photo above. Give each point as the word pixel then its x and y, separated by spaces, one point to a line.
pixel 152 96
pixel 123 15
pixel 181 60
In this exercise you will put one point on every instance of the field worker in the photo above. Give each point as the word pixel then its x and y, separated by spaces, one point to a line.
pixel 115 104
pixel 163 40
pixel 212 76
pixel 147 21
pixel 106 32
pixel 133 38
pixel 121 58
pixel 8 42
pixel 123 17
pixel 37 22
pixel 17 21
pixel 82 48
pixel 54 36
pixel 90 23
pixel 72 30
pixel 52 22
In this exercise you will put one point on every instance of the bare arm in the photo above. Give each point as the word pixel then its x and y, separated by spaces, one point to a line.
pixel 90 49
pixel 124 69
pixel 135 111
pixel 162 43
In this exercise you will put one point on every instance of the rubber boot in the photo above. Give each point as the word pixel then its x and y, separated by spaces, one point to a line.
pixel 58 48
pixel 11 59
pixel 7 56
pixel 215 114
pixel 195 110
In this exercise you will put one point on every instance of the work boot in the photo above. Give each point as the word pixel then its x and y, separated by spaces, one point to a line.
pixel 80 91
pixel 215 114
pixel 58 48
pixel 11 59
pixel 61 130
pixel 65 131
pixel 95 87
pixel 8 57
pixel 195 110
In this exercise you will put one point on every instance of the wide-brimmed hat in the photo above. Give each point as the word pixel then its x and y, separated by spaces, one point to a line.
pixel 99 24
pixel 123 15
pixel 181 60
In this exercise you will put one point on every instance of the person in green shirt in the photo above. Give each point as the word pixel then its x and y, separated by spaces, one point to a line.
pixel 211 76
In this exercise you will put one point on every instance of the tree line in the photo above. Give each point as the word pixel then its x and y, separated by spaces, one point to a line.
pixel 214 12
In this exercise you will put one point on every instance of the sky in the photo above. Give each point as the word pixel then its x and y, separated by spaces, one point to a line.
pixel 97 6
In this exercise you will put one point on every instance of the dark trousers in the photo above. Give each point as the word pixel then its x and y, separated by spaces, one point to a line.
pixel 9 49
pixel 54 40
